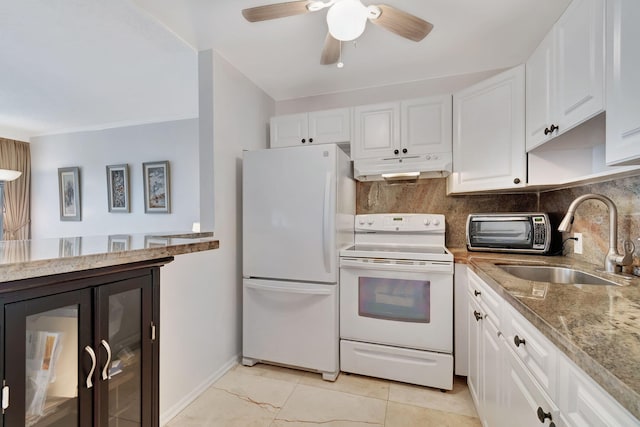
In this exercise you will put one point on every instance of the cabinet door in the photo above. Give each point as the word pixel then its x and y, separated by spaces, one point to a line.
pixel 377 131
pixel 524 398
pixel 50 363
pixel 289 130
pixel 475 336
pixel 540 92
pixel 491 374
pixel 125 345
pixel 489 135
pixel 623 83
pixel 580 63
pixel 584 403
pixel 426 125
pixel 330 126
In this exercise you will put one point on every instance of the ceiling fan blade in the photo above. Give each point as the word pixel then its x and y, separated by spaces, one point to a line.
pixel 274 11
pixel 402 23
pixel 330 50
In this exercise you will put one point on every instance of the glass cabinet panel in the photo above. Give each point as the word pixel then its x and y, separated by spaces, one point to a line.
pixel 125 375
pixel 51 368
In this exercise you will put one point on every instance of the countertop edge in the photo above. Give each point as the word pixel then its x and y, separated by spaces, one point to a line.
pixel 45 267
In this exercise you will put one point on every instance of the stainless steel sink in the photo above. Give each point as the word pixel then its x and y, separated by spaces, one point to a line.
pixel 563 275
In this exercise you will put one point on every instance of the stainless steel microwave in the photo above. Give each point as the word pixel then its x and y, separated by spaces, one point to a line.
pixel 509 232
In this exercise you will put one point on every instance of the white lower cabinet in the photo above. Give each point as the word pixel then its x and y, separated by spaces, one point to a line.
pixel 584 403
pixel 526 403
pixel 517 377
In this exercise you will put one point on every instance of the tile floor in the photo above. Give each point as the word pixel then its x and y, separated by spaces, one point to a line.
pixel 269 396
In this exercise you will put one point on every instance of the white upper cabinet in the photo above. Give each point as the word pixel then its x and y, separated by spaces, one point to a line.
pixel 565 74
pixel 402 129
pixel 377 131
pixel 489 134
pixel 623 82
pixel 318 127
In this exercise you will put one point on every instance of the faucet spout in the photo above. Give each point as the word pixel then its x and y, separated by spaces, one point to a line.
pixel 613 261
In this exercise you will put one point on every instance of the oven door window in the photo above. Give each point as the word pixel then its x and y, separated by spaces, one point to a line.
pixel 394 299
pixel 501 234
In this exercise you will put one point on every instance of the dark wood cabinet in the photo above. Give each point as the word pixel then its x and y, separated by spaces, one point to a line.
pixel 81 349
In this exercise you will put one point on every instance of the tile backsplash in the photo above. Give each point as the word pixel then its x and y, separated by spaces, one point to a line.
pixel 591 219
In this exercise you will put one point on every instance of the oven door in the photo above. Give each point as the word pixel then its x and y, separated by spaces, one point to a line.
pixel 397 302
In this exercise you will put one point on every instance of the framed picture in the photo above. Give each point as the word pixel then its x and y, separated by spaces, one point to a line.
pixel 157 198
pixel 69 246
pixel 69 187
pixel 118 188
pixel 119 243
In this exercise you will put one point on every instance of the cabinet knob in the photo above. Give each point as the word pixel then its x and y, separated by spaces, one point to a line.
pixel 310 140
pixel 517 341
pixel 478 315
pixel 543 415
pixel 551 129
pixel 404 150
pixel 304 140
pixel 396 152
pixel 476 292
pixel 516 181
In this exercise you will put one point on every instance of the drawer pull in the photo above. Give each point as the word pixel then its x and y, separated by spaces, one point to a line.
pixel 476 293
pixel 543 415
pixel 517 341
pixel 478 315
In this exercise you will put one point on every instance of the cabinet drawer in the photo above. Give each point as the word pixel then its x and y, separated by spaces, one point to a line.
pixel 534 350
pixel 489 300
pixel 585 403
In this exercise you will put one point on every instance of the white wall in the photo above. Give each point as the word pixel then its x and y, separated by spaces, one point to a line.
pixel 417 89
pixel 201 305
pixel 92 151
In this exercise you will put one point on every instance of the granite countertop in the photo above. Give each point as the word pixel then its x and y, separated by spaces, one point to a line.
pixel 25 259
pixel 597 327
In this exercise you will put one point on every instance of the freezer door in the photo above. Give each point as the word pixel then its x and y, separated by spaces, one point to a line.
pixel 291 323
pixel 289 205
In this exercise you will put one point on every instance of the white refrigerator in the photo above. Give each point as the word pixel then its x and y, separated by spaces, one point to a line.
pixel 298 207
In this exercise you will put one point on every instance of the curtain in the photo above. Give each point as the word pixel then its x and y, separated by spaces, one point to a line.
pixel 16 155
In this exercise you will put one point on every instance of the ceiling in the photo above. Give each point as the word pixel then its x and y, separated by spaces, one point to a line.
pixel 80 64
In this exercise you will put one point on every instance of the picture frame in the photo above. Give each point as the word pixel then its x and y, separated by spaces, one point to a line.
pixel 119 242
pixel 118 188
pixel 69 190
pixel 69 246
pixel 156 181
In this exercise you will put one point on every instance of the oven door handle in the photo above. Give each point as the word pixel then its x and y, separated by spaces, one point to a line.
pixel 428 267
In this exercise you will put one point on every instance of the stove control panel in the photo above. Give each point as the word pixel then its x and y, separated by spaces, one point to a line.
pixel 398 223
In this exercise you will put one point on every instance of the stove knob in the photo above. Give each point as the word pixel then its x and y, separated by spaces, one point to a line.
pixel 428 157
pixel 435 157
pixel 427 221
pixel 361 221
pixel 370 221
pixel 436 222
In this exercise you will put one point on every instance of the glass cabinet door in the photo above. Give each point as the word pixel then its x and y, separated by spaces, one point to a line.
pixel 48 369
pixel 125 340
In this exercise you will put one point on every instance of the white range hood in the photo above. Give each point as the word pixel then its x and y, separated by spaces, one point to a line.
pixel 433 165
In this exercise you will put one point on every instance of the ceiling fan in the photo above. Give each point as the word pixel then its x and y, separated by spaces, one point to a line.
pixel 346 20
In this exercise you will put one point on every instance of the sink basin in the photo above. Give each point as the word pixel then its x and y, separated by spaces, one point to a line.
pixel 563 275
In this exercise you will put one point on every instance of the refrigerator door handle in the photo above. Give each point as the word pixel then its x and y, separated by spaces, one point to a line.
pixel 288 290
pixel 326 215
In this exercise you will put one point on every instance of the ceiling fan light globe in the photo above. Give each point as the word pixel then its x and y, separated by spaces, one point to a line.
pixel 347 19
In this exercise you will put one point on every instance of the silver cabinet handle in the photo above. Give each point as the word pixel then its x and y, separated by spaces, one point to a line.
pixel 105 370
pixel 92 355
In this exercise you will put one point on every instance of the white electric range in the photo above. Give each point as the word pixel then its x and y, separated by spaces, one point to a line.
pixel 396 300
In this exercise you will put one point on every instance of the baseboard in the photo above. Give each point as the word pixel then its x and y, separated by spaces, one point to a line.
pixel 170 413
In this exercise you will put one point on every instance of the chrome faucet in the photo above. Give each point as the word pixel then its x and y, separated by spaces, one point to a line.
pixel 614 261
